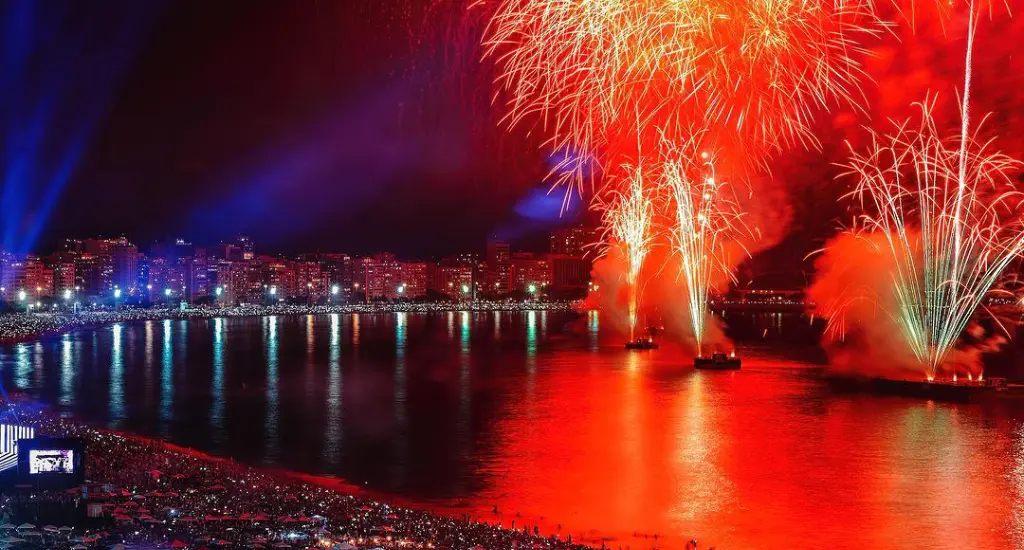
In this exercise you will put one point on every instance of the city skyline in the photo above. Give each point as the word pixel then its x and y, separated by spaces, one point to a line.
pixel 102 270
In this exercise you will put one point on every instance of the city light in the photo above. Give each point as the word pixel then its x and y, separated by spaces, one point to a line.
pixel 273 290
pixel 335 290
pixel 67 294
pixel 22 295
pixel 465 289
pixel 117 293
pixel 167 292
pixel 220 290
pixel 401 289
pixel 532 289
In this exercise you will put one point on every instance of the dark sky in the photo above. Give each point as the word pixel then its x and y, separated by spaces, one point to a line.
pixel 333 124
pixel 343 125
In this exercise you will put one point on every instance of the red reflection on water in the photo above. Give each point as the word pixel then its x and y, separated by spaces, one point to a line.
pixel 614 443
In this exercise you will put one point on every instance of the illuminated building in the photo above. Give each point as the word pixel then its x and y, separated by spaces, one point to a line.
pixel 527 269
pixel 573 241
pixel 248 248
pixel 569 274
pixel 496 277
pixel 450 280
pixel 125 258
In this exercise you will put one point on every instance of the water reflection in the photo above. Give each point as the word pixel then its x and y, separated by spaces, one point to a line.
pixel 67 372
pixel 166 381
pixel 22 365
pixel 217 405
pixel 272 419
pixel 116 398
pixel 554 427
pixel 335 432
pixel 401 416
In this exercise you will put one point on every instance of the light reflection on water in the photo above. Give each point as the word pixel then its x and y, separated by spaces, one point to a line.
pixel 543 415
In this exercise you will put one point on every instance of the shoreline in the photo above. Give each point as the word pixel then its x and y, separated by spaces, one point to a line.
pixel 218 497
pixel 26 327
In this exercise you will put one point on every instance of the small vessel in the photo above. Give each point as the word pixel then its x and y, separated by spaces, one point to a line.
pixel 642 343
pixel 717 361
pixel 957 391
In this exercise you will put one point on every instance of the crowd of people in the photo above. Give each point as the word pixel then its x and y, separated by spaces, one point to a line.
pixel 144 494
pixel 27 325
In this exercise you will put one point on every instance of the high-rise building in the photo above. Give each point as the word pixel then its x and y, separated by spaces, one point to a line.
pixel 382 275
pixel 573 241
pixel 569 274
pixel 454 281
pixel 529 270
pixel 125 258
pixel 248 248
pixel 412 280
pixel 496 276
pixel 37 278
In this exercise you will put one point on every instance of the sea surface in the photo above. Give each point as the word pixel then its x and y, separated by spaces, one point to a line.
pixel 546 417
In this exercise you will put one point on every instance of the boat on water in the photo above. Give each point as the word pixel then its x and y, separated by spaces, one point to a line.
pixel 717 361
pixel 642 343
pixel 645 342
pixel 955 391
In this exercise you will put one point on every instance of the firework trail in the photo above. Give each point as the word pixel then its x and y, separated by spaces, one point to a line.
pixel 628 219
pixel 949 217
pixel 760 68
pixel 707 220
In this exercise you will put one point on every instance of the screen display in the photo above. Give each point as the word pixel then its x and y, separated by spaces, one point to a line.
pixel 51 461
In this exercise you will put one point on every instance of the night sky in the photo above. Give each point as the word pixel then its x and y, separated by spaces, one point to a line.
pixel 341 125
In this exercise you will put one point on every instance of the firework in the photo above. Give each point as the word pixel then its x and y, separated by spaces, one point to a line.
pixel 707 221
pixel 760 68
pixel 628 220
pixel 948 216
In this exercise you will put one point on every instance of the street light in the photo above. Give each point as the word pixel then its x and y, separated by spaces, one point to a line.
pixel 273 290
pixel 532 289
pixel 335 290
pixel 167 292
pixel 22 295
pixel 220 290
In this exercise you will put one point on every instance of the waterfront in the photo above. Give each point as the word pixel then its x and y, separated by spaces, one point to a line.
pixel 542 414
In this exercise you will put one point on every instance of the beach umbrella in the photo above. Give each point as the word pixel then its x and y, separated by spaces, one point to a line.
pixel 49 528
pixel 26 526
pixel 65 528
pixel 177 544
pixel 79 547
pixel 8 526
